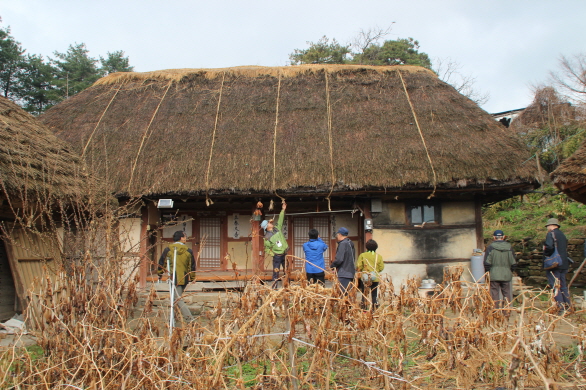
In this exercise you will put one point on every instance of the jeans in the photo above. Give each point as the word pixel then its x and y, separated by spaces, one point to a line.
pixel 562 296
pixel 344 284
pixel 278 263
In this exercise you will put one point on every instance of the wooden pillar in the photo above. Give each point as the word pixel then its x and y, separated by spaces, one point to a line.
pixel 478 221
pixel 367 215
pixel 256 247
pixel 144 242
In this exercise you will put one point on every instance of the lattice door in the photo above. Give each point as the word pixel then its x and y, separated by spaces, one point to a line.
pixel 209 228
pixel 300 229
pixel 322 224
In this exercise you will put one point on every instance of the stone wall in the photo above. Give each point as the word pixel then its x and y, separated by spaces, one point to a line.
pixel 529 256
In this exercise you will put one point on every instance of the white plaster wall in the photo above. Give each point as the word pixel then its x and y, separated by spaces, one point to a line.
pixel 458 213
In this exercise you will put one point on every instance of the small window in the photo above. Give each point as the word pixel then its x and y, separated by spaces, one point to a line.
pixel 419 214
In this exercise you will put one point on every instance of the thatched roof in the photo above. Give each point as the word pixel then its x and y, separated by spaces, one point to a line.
pixel 548 109
pixel 33 161
pixel 152 133
pixel 570 176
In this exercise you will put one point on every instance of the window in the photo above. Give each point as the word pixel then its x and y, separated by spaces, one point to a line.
pixel 423 213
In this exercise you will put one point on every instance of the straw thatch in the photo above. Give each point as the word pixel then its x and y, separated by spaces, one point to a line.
pixel 32 159
pixel 152 133
pixel 570 176
pixel 548 110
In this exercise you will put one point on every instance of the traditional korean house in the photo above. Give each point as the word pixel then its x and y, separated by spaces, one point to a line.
pixel 38 175
pixel 391 153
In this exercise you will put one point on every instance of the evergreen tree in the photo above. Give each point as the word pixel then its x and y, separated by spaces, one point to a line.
pixel 400 52
pixel 321 52
pixel 36 91
pixel 11 62
pixel 115 62
pixel 75 70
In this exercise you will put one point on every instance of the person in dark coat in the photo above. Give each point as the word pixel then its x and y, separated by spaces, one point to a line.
pixel 554 238
pixel 344 261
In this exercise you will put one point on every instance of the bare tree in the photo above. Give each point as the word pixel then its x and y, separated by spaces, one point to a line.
pixel 571 78
pixel 449 71
pixel 367 37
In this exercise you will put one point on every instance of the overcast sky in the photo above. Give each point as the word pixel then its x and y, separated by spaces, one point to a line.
pixel 507 45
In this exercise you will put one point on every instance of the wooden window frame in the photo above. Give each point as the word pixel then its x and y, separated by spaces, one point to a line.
pixel 437 210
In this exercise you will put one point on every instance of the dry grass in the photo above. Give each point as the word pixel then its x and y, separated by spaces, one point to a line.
pixel 157 128
pixel 94 335
pixel 251 71
pixel 30 155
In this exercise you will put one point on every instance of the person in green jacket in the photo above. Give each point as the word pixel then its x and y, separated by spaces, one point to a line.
pixel 275 243
pixel 370 264
pixel 185 271
pixel 499 258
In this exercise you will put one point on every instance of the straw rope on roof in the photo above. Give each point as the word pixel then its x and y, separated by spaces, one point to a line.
pixel 570 176
pixel 384 126
pixel 32 159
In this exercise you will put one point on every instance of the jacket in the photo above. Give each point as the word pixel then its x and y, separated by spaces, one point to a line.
pixel 500 257
pixel 562 243
pixel 185 263
pixel 314 255
pixel 344 261
pixel 370 261
pixel 275 241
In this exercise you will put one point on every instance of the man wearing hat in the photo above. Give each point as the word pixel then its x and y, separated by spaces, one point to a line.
pixel 499 258
pixel 275 243
pixel 554 238
pixel 344 261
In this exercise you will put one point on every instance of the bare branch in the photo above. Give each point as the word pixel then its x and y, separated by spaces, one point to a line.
pixel 572 77
pixel 449 71
pixel 367 37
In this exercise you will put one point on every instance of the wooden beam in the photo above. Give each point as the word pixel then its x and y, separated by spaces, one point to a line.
pixel 144 241
pixel 426 227
pixel 478 223
pixel 427 261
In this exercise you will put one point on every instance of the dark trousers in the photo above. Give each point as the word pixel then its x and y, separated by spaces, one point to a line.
pixel 344 284
pixel 373 292
pixel 562 296
pixel 278 262
pixel 319 277
pixel 505 289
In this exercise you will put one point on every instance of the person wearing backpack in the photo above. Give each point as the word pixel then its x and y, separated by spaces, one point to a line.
pixel 184 272
pixel 315 263
pixel 275 243
pixel 556 239
pixel 370 264
pixel 499 258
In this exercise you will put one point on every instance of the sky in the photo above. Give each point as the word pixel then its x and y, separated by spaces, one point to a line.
pixel 507 46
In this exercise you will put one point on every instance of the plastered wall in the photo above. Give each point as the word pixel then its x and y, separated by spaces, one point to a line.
pixel 403 248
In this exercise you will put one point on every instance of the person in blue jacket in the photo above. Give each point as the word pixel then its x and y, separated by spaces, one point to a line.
pixel 315 263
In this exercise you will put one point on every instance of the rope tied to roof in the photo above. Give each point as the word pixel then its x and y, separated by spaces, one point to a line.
pixel 146 135
pixel 99 121
pixel 208 200
pixel 275 143
pixel 422 137
pixel 329 114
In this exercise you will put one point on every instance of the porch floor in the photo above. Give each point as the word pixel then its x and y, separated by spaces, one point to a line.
pixel 222 276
